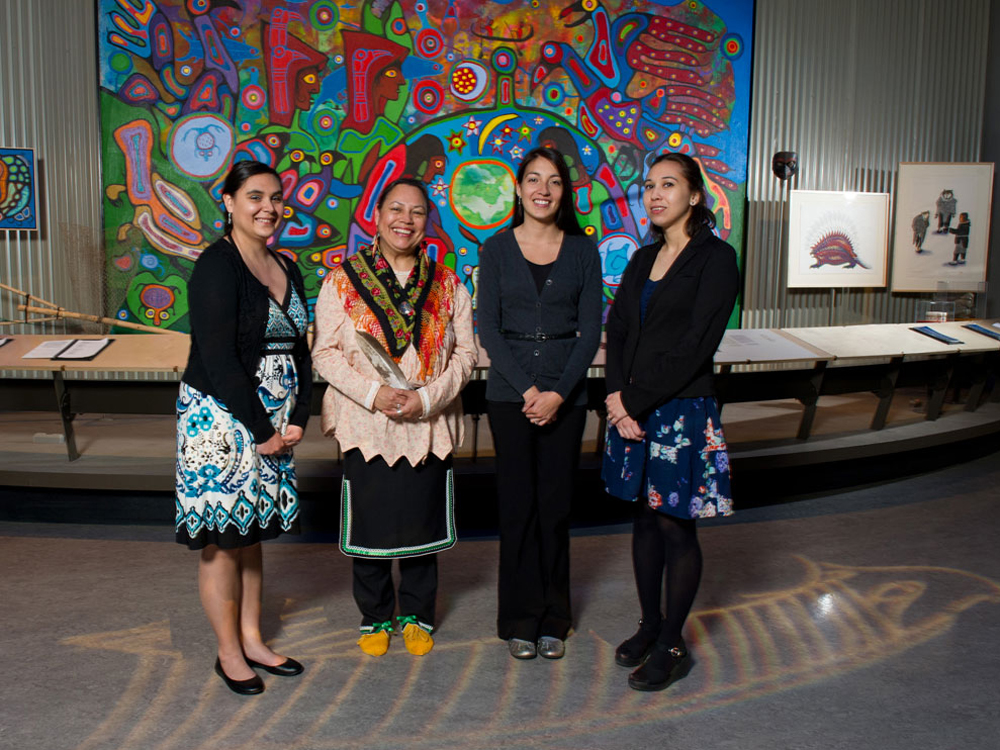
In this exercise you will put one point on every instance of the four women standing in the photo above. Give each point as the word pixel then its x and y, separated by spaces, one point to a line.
pixel 391 309
pixel 539 315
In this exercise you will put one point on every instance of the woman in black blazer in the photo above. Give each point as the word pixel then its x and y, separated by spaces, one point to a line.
pixel 665 443
pixel 539 314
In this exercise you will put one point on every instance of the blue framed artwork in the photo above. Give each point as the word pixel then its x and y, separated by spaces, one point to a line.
pixel 18 186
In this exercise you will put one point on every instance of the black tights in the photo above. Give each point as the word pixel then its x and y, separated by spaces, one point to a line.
pixel 663 542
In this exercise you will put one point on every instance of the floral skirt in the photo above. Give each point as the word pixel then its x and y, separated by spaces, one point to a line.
pixel 226 492
pixel 681 467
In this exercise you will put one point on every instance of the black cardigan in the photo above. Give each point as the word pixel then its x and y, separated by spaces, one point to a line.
pixel 229 309
pixel 507 299
pixel 670 354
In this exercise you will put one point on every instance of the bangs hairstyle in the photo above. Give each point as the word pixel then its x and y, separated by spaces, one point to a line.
pixel 404 181
pixel 237 177
pixel 701 214
pixel 566 214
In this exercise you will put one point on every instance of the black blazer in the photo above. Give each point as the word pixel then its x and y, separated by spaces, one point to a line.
pixel 229 309
pixel 507 299
pixel 670 354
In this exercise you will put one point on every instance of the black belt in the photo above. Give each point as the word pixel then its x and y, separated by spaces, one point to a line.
pixel 515 336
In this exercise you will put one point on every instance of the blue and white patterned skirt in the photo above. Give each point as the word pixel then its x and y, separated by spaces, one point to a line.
pixel 227 493
pixel 681 467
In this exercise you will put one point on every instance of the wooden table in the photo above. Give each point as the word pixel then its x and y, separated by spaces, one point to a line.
pixel 127 355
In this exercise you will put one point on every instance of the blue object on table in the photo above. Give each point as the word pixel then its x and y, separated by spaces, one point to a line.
pixel 928 331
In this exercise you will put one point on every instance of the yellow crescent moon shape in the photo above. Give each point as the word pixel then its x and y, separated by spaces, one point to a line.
pixel 491 127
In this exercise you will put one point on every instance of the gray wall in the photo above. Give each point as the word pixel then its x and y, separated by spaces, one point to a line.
pixel 48 102
pixel 855 86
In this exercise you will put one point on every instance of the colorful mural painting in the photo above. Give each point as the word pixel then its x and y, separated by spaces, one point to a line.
pixel 18 188
pixel 342 97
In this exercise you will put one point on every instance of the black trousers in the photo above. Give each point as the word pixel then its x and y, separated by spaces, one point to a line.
pixel 536 467
pixel 376 597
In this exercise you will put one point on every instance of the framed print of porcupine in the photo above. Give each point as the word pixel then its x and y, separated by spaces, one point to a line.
pixel 837 239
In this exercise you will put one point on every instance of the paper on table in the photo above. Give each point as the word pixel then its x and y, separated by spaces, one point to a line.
pixel 47 349
pixel 4 341
pixel 83 349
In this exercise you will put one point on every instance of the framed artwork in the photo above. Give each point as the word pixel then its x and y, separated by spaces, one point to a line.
pixel 18 187
pixel 942 226
pixel 837 239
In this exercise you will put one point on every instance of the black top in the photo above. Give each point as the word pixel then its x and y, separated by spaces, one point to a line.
pixel 540 273
pixel 669 354
pixel 229 308
pixel 508 300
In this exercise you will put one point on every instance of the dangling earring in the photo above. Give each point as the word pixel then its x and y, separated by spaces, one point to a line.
pixel 229 218
pixel 375 242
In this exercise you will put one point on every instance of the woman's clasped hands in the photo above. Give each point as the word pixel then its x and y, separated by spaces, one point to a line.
pixel 278 444
pixel 540 407
pixel 618 418
pixel 399 404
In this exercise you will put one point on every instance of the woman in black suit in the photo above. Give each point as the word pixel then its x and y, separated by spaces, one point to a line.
pixel 665 444
pixel 540 321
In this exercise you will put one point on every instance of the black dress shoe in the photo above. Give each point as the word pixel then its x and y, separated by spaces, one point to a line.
pixel 244 687
pixel 663 668
pixel 633 651
pixel 287 668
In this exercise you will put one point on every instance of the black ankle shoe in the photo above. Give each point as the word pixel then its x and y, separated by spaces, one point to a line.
pixel 287 668
pixel 663 668
pixel 633 651
pixel 253 686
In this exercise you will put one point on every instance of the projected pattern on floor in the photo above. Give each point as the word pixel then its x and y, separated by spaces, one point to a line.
pixel 838 618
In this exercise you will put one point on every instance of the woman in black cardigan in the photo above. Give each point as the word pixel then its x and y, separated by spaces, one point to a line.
pixel 539 315
pixel 665 444
pixel 243 405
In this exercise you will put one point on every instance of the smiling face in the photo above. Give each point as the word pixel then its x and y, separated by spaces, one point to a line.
pixel 541 190
pixel 402 220
pixel 667 196
pixel 257 207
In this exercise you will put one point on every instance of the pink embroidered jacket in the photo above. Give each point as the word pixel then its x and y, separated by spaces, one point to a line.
pixel 348 405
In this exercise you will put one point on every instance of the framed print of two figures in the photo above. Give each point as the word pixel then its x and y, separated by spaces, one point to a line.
pixel 942 226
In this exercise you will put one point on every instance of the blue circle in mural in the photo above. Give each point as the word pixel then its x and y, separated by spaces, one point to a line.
pixel 200 145
pixel 615 250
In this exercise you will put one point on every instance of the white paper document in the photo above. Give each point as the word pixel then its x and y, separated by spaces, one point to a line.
pixel 47 349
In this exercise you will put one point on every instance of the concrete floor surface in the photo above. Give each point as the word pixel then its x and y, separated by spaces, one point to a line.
pixel 865 619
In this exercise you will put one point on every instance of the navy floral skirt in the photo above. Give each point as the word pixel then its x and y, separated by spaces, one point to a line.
pixel 681 467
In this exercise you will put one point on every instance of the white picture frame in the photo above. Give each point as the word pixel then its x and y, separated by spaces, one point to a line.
pixel 936 259
pixel 837 239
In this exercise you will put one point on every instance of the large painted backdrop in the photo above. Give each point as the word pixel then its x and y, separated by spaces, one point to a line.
pixel 342 97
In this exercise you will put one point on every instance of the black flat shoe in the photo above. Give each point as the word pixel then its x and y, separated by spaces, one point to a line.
pixel 662 669
pixel 633 651
pixel 253 686
pixel 287 668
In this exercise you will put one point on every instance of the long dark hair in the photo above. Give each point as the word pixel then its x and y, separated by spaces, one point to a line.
pixel 566 215
pixel 237 177
pixel 701 214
